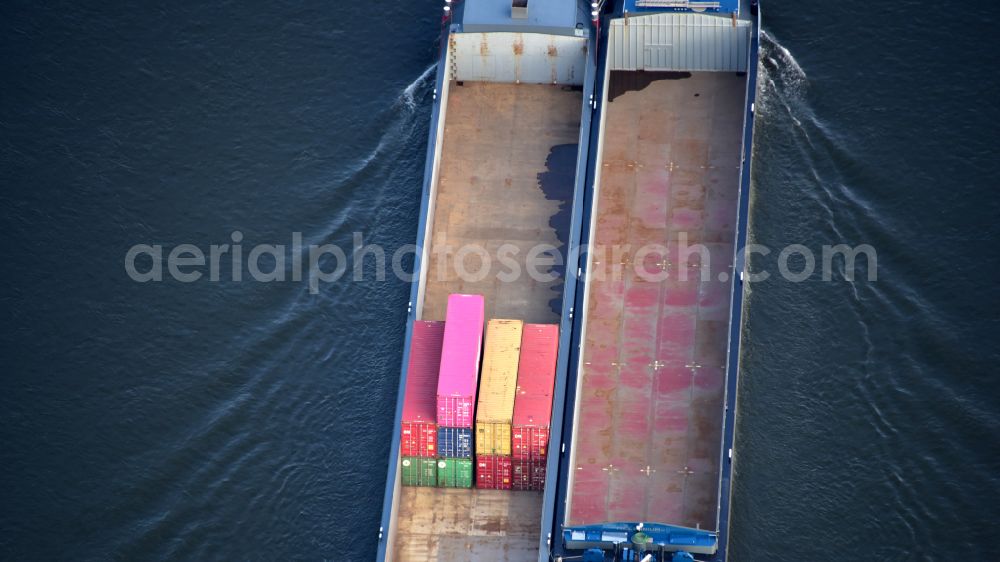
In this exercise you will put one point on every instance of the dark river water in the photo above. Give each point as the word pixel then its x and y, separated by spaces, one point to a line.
pixel 240 420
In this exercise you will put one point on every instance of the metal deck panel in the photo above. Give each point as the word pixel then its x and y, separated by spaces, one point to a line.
pixel 456 525
pixel 647 444
pixel 497 140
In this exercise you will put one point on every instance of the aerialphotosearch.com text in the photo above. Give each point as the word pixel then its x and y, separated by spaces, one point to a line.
pixel 316 264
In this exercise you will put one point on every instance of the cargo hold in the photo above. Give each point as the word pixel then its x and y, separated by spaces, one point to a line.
pixel 505 169
pixel 654 380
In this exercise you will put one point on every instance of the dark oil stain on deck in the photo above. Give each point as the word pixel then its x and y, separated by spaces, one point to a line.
pixel 557 183
pixel 623 81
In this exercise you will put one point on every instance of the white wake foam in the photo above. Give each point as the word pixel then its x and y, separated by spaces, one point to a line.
pixel 408 96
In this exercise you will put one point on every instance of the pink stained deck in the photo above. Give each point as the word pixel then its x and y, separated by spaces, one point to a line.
pixel 647 446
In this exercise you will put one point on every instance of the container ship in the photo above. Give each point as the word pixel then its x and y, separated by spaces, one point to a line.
pixel 584 410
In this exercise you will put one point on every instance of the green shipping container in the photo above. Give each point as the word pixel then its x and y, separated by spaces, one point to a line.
pixel 454 473
pixel 419 471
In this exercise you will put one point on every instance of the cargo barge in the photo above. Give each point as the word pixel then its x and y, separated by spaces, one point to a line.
pixel 557 122
pixel 649 439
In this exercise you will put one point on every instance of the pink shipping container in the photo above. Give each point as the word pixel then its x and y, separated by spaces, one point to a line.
pixel 460 354
pixel 528 475
pixel 493 472
pixel 418 435
pixel 536 375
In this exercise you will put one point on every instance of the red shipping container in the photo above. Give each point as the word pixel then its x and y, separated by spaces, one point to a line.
pixel 460 354
pixel 493 472
pixel 418 439
pixel 529 439
pixel 528 475
pixel 536 368
pixel 536 375
pixel 418 435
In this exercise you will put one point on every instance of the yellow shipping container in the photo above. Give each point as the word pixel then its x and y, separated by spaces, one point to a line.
pixel 493 438
pixel 497 386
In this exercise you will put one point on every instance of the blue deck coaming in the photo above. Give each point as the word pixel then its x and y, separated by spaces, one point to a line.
pixel 558 512
pixel 569 294
pixel 736 305
pixel 571 285
pixel 736 313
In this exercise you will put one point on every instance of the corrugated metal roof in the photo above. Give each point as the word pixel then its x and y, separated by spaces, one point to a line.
pixel 679 41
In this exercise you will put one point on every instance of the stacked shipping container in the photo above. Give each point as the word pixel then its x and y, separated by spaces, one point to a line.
pixel 418 432
pixel 455 442
pixel 454 473
pixel 419 471
pixel 533 405
pixel 456 388
pixel 495 411
pixel 514 410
